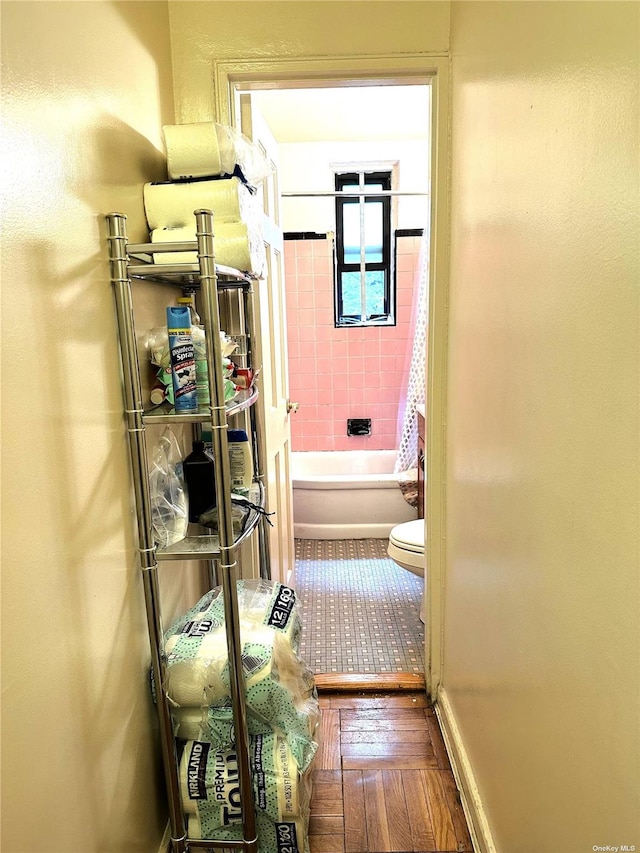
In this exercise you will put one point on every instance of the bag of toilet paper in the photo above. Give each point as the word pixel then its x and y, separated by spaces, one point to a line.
pixel 210 792
pixel 262 604
pixel 287 836
pixel 280 690
pixel 271 707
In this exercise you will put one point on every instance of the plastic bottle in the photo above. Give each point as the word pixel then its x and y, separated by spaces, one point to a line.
pixel 199 476
pixel 199 349
pixel 183 367
pixel 240 461
pixel 191 305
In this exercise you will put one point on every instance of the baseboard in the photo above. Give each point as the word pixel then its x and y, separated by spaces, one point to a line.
pixel 356 530
pixel 165 844
pixel 385 681
pixel 472 804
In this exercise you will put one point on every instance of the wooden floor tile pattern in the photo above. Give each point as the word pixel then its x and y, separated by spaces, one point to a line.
pixel 382 782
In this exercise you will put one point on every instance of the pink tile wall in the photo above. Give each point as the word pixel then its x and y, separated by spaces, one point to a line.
pixel 336 374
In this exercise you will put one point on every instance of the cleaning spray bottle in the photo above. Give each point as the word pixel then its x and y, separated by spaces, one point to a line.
pixel 199 350
pixel 183 367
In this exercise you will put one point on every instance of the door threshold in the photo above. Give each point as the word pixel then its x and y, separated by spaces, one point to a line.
pixel 387 681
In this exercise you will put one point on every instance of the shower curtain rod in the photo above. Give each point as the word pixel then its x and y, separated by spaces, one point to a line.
pixel 342 194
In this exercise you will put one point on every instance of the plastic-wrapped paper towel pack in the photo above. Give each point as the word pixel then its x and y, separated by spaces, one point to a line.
pixel 210 791
pixel 206 148
pixel 171 205
pixel 238 244
pixel 290 836
pixel 261 604
pixel 169 209
pixel 210 167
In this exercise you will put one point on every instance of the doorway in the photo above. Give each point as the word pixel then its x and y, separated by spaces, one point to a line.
pixel 234 78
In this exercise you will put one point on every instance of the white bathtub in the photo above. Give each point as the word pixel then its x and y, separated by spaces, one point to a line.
pixel 346 494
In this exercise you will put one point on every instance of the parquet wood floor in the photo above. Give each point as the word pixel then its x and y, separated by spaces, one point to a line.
pixel 382 780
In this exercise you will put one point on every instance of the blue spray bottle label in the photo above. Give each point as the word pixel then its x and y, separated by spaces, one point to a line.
pixel 183 365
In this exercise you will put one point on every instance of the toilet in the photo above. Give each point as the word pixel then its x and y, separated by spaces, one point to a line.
pixel 406 549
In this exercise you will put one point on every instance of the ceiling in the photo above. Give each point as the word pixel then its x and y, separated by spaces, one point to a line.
pixel 363 113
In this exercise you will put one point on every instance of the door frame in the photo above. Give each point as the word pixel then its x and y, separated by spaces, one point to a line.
pixel 434 69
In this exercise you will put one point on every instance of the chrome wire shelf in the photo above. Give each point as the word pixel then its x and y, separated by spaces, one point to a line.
pixel 166 414
pixel 181 274
pixel 207 546
pixel 209 279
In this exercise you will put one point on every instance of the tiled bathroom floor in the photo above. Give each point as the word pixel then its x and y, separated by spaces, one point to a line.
pixel 359 610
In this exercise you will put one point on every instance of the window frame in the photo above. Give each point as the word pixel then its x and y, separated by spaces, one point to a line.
pixel 362 177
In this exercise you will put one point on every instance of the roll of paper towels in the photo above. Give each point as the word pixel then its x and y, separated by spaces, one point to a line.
pixel 235 245
pixel 169 205
pixel 192 150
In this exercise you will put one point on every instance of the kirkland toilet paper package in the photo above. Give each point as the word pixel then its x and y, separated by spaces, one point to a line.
pixel 271 708
pixel 261 603
pixel 280 689
pixel 287 836
pixel 210 792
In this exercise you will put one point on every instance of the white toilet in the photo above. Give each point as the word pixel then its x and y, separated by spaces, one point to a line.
pixel 406 549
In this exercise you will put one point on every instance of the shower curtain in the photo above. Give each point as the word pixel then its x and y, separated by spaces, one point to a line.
pixel 415 394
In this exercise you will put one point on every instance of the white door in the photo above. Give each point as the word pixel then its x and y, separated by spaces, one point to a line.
pixel 270 354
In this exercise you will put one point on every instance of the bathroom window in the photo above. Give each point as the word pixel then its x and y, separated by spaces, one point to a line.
pixel 363 280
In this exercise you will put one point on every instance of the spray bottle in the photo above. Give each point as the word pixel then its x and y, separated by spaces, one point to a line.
pixel 183 366
pixel 199 350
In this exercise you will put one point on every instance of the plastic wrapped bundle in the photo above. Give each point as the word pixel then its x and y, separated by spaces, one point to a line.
pixel 261 603
pixel 271 605
pixel 237 244
pixel 210 793
pixel 271 708
pixel 280 690
pixel 206 148
pixel 172 205
pixel 291 835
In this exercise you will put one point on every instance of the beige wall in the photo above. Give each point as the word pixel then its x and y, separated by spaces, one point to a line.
pixel 202 32
pixel 86 87
pixel 542 610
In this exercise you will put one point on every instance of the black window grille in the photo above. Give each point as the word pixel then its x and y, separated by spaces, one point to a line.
pixel 364 284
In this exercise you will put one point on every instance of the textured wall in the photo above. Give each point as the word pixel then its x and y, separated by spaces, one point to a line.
pixel 542 591
pixel 202 32
pixel 86 87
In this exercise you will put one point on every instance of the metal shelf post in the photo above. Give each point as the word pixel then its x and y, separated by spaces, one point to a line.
pixel 132 391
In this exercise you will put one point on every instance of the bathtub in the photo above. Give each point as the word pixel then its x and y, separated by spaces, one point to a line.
pixel 346 494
